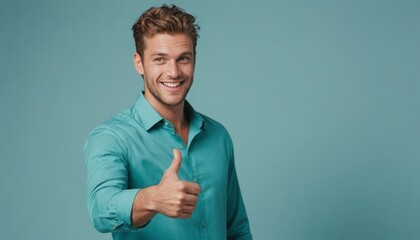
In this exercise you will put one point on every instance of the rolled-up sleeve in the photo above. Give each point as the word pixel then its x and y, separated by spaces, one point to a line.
pixel 109 200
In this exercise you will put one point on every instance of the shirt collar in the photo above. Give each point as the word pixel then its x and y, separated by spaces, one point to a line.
pixel 196 120
pixel 150 117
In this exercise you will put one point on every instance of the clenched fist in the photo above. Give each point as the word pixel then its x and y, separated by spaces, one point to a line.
pixel 176 198
pixel 172 197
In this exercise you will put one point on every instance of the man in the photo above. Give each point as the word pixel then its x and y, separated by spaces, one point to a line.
pixel 161 170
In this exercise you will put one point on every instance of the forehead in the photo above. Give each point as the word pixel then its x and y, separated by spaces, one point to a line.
pixel 170 44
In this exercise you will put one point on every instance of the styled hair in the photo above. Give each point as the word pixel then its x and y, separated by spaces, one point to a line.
pixel 165 19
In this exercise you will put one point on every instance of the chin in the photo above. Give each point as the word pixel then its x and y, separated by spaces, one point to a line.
pixel 174 103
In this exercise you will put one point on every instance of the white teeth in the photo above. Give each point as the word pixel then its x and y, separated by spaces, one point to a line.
pixel 172 84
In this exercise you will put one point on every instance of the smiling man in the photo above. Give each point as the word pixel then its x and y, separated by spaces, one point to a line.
pixel 161 170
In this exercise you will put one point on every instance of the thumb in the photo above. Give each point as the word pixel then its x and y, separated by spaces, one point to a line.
pixel 176 162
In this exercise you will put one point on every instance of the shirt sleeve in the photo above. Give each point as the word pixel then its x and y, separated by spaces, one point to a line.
pixel 109 200
pixel 237 219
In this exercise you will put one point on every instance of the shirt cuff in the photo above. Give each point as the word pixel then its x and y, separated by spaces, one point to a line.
pixel 124 204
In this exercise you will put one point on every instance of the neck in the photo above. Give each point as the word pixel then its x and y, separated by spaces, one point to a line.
pixel 179 120
pixel 175 115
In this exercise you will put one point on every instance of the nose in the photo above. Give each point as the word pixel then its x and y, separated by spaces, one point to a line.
pixel 173 70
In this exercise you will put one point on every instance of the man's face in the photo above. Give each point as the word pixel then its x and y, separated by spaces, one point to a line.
pixel 167 67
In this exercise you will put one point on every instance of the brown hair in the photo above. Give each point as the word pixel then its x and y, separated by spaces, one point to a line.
pixel 165 19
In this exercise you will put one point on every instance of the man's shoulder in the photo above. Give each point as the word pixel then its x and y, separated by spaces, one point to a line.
pixel 117 124
pixel 120 119
pixel 211 124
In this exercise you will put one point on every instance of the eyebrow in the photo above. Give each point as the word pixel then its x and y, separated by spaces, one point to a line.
pixel 165 54
pixel 158 54
pixel 187 53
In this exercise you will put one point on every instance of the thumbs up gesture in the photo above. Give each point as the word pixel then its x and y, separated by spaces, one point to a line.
pixel 176 198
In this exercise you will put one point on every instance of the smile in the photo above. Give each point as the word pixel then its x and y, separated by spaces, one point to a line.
pixel 172 84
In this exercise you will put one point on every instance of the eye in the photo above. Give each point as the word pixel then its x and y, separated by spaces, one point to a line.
pixel 184 59
pixel 158 60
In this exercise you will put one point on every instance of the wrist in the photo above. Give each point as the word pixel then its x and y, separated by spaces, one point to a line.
pixel 143 209
pixel 148 199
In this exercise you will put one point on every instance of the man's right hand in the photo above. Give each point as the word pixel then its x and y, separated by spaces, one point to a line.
pixel 176 198
pixel 172 197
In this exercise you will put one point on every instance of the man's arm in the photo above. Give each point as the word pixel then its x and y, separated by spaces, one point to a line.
pixel 112 206
pixel 109 199
pixel 171 197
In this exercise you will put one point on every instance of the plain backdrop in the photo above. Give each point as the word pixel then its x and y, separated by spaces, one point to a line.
pixel 321 99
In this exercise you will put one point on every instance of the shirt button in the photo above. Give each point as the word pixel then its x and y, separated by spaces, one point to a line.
pixel 195 180
pixel 166 123
pixel 181 147
pixel 203 224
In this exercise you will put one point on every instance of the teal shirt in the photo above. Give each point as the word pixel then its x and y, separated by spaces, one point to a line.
pixel 133 149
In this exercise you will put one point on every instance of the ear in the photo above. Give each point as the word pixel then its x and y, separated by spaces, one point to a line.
pixel 138 64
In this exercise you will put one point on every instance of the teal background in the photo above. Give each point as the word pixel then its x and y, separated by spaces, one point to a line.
pixel 321 99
